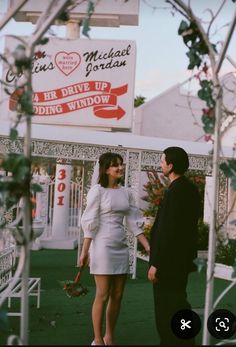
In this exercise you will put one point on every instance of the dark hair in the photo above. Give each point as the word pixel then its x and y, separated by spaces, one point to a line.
pixel 105 161
pixel 178 157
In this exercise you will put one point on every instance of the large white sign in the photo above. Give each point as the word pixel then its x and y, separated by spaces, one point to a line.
pixel 78 82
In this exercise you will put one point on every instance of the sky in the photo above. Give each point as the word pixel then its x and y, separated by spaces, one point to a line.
pixel 161 60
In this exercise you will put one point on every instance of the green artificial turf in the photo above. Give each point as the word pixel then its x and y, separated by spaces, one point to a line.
pixel 61 320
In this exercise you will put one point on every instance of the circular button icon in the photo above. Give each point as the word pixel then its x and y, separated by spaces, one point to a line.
pixel 185 324
pixel 221 324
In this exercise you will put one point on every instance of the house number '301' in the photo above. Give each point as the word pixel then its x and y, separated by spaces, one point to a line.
pixel 61 186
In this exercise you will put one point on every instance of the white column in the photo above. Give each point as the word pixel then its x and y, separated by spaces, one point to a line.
pixel 72 29
pixel 41 213
pixel 42 198
pixel 208 199
pixel 60 224
pixel 60 238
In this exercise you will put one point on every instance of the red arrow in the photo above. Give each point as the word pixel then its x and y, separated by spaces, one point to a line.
pixel 103 113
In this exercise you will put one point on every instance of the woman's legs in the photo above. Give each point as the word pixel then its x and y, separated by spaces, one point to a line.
pixel 103 284
pixel 109 289
pixel 113 306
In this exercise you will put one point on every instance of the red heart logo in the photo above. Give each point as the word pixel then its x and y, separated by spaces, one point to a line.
pixel 67 62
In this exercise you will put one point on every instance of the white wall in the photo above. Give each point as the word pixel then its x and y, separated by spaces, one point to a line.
pixel 169 116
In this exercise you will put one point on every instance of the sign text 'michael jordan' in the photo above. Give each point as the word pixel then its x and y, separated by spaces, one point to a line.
pixel 95 56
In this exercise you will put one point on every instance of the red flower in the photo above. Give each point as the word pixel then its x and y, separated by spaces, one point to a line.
pixel 74 288
pixel 154 188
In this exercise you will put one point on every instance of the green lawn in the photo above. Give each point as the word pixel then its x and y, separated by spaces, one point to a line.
pixel 67 321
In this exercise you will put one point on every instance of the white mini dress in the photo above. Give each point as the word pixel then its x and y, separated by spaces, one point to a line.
pixel 103 222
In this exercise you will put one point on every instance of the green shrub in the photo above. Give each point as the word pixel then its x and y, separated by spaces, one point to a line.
pixel 203 234
pixel 226 252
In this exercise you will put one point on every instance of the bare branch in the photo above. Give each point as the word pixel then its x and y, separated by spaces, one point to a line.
pixel 231 60
pixel 12 11
pixel 172 2
pixel 197 22
pixel 226 44
pixel 214 17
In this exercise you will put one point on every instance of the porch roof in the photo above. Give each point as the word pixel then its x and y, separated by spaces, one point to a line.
pixel 65 134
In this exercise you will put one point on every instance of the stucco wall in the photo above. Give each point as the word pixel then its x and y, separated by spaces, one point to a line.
pixel 169 116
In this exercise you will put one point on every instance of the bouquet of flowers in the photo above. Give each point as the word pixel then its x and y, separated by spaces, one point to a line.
pixel 74 288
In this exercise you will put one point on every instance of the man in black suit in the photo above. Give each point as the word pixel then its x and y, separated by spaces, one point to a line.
pixel 173 244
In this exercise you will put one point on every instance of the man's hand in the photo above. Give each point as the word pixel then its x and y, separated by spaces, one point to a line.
pixel 152 274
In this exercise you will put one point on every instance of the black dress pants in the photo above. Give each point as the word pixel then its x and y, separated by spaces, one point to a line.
pixel 170 296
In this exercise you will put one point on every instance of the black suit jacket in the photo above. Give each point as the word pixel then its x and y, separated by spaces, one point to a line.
pixel 173 240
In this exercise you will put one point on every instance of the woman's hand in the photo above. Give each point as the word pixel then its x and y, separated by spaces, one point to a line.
pixel 83 259
pixel 152 274
pixel 143 240
pixel 84 255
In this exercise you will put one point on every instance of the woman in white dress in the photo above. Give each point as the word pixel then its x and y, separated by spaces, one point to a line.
pixel 108 203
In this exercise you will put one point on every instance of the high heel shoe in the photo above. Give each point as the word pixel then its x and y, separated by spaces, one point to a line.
pixel 105 343
pixel 94 344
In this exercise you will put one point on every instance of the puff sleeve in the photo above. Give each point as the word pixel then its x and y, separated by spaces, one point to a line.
pixel 90 217
pixel 134 218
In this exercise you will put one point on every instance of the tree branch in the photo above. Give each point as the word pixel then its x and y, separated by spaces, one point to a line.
pixel 191 16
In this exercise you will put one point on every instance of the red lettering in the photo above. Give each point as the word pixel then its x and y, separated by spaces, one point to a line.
pixel 60 201
pixel 62 174
pixel 61 187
